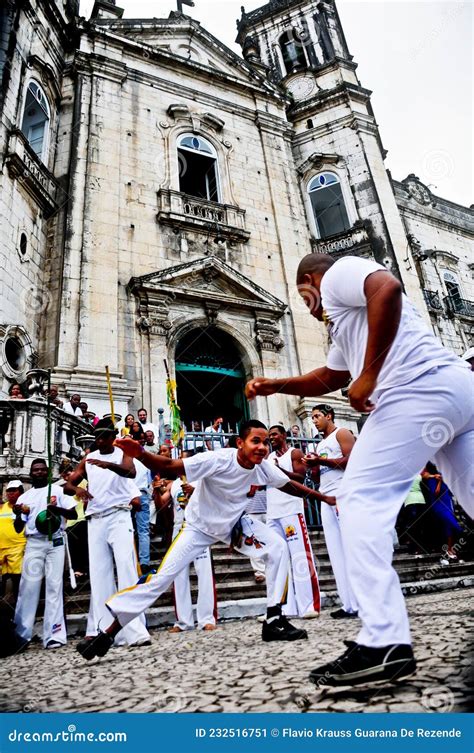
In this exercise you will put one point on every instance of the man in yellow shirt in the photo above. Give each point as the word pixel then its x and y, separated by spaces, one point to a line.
pixel 12 544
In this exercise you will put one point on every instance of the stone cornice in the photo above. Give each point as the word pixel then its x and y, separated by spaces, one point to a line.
pixel 261 86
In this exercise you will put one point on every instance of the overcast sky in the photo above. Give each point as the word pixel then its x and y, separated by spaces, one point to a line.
pixel 416 58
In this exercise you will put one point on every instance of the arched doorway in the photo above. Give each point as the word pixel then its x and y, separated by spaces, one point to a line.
pixel 210 377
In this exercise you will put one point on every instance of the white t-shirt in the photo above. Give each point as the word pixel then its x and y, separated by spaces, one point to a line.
pixel 148 426
pixel 67 408
pixel 415 349
pixel 37 500
pixel 221 486
pixel 143 478
pixel 330 478
pixel 280 504
pixel 107 488
pixel 218 442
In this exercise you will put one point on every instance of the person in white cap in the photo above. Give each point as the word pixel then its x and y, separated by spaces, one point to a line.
pixel 420 399
pixel 44 525
pixel 12 544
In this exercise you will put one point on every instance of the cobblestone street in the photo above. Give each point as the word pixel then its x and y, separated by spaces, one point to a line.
pixel 231 670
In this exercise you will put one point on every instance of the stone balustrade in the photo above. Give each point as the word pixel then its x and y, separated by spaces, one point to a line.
pixel 23 436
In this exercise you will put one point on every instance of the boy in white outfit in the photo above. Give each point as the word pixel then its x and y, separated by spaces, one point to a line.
pixel 331 456
pixel 222 480
pixel 399 369
pixel 44 556
pixel 110 531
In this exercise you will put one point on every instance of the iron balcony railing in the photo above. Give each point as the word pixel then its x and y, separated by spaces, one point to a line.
pixel 459 306
pixel 433 300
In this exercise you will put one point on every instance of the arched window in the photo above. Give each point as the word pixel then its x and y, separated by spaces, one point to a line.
pixel 198 174
pixel 36 118
pixel 328 204
pixel 292 49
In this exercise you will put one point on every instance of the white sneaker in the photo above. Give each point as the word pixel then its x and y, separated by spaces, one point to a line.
pixel 312 615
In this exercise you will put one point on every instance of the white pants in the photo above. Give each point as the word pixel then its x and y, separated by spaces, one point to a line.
pixel 111 542
pixel 258 563
pixel 42 560
pixel 303 587
pixel 206 607
pixel 258 541
pixel 332 535
pixel 430 418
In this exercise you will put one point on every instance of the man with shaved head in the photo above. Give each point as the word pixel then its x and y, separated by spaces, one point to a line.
pixel 420 400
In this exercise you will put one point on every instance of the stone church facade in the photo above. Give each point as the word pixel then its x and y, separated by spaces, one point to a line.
pixel 158 192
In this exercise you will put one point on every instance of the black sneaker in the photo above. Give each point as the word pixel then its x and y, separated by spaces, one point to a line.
pixel 341 614
pixel 282 630
pixel 89 648
pixel 362 665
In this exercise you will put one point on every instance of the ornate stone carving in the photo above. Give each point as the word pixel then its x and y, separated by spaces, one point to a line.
pixel 212 310
pixel 267 334
pixel 155 319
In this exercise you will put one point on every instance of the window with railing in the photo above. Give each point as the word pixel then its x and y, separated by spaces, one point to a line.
pixel 198 170
pixel 328 204
pixel 36 120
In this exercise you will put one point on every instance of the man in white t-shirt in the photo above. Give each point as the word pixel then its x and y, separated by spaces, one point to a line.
pixel 222 480
pixel 331 457
pixel 214 436
pixel 73 406
pixel 399 369
pixel 109 474
pixel 44 556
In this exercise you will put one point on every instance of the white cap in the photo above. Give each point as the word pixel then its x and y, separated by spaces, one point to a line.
pixel 468 354
pixel 14 484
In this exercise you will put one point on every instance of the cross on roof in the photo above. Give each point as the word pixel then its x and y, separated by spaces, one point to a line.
pixel 184 2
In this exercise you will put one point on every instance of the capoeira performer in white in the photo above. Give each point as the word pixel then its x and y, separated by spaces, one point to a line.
pixel 285 516
pixel 331 456
pixel 44 556
pixel 399 369
pixel 110 530
pixel 206 608
pixel 222 480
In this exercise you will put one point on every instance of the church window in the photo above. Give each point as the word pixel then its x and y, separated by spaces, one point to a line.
pixel 198 173
pixel 454 292
pixel 292 49
pixel 36 119
pixel 328 204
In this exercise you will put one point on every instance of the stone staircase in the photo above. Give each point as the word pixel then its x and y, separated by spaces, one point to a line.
pixel 235 578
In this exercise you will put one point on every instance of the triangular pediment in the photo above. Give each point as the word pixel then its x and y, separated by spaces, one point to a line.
pixel 207 280
pixel 190 44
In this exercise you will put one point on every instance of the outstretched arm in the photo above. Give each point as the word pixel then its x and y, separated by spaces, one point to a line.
pixel 299 490
pixel 157 463
pixel 384 309
pixel 317 382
